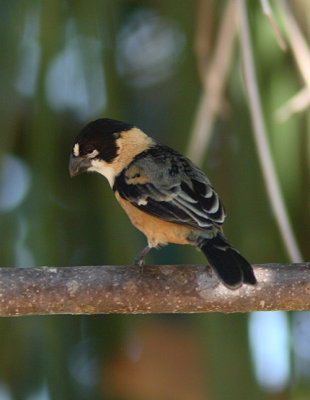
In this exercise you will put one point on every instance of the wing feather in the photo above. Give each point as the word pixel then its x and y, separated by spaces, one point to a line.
pixel 172 189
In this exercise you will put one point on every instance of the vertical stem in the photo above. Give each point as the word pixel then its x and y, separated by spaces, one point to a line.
pixel 214 83
pixel 269 174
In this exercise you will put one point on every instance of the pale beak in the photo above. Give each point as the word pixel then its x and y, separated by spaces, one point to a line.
pixel 77 165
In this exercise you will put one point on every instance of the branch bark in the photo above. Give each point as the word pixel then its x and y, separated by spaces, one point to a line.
pixel 158 289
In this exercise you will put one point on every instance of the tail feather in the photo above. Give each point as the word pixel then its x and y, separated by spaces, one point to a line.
pixel 231 267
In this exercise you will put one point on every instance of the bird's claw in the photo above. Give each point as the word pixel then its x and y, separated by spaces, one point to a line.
pixel 140 259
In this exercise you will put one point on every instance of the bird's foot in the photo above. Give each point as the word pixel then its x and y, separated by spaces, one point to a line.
pixel 140 259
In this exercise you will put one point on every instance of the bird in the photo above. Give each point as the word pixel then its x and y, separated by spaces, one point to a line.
pixel 165 195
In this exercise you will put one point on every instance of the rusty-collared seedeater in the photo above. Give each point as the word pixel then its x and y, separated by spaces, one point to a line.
pixel 165 195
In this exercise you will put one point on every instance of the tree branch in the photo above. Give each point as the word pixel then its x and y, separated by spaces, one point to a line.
pixel 158 289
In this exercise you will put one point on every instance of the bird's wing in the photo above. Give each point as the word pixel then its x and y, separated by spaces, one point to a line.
pixel 167 185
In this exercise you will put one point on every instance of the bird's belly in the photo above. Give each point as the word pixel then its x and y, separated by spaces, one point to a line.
pixel 156 230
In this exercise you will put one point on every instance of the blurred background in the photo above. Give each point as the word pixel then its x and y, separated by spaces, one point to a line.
pixel 174 69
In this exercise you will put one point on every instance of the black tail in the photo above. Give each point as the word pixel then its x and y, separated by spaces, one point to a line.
pixel 230 266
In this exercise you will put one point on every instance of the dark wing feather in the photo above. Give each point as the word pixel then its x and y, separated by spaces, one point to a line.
pixel 167 185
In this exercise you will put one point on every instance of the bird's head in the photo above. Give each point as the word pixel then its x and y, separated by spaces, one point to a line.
pixel 105 146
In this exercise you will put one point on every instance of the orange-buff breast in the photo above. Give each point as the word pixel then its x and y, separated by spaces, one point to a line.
pixel 156 230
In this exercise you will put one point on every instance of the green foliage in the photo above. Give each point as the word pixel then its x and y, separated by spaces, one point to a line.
pixel 64 63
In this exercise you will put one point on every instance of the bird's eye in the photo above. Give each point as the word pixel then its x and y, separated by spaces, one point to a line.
pixel 89 149
pixel 91 152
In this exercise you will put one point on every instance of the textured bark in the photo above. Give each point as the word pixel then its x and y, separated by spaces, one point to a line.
pixel 156 289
